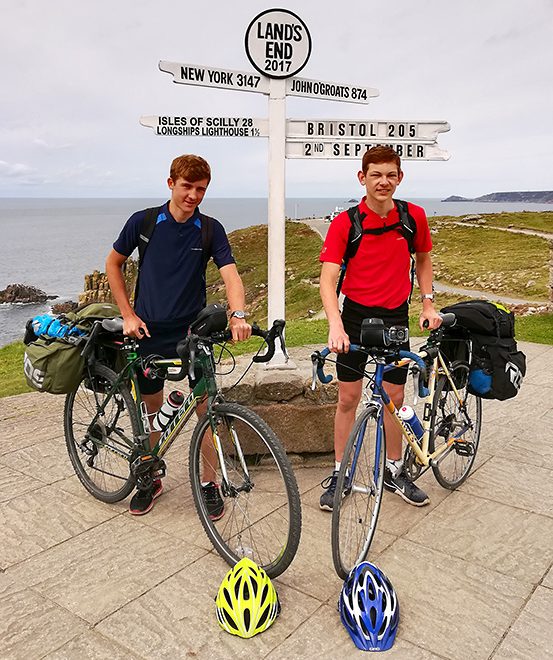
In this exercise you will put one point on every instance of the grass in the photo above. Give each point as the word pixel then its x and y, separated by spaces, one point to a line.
pixel 249 247
pixel 514 265
pixel 12 380
pixel 538 220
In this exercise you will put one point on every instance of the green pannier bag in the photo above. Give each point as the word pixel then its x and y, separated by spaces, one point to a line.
pixel 55 365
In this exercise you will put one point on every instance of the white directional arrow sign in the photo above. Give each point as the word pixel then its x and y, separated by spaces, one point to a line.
pixel 355 150
pixel 207 126
pixel 192 74
pixel 318 89
pixel 350 129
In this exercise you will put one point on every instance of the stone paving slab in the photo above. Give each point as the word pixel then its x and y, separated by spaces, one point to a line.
pixel 522 486
pixel 47 462
pixel 490 534
pixel 449 606
pixel 39 520
pixel 99 571
pixel 90 645
pixel 530 636
pixel 31 625
pixel 311 640
pixel 178 617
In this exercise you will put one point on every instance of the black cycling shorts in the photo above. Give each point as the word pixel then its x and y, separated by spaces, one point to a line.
pixel 350 366
pixel 165 335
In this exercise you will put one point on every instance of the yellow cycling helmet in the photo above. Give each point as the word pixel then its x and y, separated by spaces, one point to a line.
pixel 247 602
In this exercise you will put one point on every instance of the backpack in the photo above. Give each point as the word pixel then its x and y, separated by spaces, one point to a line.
pixel 52 361
pixel 149 224
pixel 406 226
pixel 496 367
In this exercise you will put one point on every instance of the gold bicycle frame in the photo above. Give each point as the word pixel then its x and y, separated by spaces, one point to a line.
pixel 421 449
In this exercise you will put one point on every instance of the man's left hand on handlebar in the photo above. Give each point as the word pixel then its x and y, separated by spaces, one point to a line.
pixel 241 330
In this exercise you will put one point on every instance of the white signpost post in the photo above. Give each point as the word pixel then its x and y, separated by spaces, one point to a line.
pixel 278 45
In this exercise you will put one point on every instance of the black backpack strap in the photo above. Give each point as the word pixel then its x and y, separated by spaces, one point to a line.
pixel 407 222
pixel 207 237
pixel 408 229
pixel 354 240
pixel 146 230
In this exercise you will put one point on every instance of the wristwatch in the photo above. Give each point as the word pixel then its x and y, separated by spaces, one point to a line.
pixel 427 296
pixel 238 313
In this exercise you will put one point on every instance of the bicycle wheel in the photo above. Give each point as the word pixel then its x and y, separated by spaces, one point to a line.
pixel 451 419
pixel 100 444
pixel 262 518
pixel 358 492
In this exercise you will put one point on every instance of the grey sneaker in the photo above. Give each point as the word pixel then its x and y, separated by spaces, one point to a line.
pixel 400 485
pixel 327 498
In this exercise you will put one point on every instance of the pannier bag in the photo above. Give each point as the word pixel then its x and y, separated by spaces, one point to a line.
pixel 52 361
pixel 497 367
pixel 53 365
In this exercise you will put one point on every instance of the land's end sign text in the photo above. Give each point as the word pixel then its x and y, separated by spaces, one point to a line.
pixel 278 43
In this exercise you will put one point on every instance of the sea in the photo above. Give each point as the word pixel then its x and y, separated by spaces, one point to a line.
pixel 52 243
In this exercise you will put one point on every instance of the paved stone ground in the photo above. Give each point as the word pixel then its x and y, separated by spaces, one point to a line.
pixel 83 579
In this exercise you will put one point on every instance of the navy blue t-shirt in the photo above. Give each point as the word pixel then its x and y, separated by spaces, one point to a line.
pixel 172 276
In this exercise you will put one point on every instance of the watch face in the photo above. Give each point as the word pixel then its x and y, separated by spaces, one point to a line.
pixel 238 314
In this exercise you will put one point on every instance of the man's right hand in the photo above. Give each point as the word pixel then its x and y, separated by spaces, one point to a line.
pixel 338 339
pixel 134 326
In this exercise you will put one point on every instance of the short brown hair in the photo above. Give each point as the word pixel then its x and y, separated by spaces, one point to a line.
pixel 191 168
pixel 380 154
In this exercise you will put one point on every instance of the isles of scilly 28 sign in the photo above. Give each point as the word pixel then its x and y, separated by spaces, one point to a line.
pixel 278 43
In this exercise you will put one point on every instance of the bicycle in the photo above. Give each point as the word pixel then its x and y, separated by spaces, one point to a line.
pixel 451 426
pixel 107 436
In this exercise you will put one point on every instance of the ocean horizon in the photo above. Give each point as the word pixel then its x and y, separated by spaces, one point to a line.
pixel 52 243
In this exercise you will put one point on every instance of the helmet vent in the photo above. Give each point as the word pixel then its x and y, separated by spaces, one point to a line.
pixel 372 614
pixel 228 619
pixel 254 587
pixel 247 618
pixel 227 597
pixel 264 616
pixel 237 589
pixel 264 593
pixel 246 591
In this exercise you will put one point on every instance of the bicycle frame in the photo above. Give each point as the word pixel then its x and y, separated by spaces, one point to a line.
pixel 381 399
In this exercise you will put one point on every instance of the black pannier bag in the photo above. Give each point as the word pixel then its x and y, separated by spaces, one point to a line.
pixel 497 367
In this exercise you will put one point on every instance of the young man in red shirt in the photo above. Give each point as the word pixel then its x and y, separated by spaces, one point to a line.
pixel 377 284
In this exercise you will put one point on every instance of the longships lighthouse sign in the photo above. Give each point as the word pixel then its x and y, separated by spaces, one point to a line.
pixel 278 45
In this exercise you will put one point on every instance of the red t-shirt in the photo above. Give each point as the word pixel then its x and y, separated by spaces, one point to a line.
pixel 379 274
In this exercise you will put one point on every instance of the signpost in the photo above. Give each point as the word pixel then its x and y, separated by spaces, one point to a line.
pixel 278 45
pixel 207 126
pixel 355 150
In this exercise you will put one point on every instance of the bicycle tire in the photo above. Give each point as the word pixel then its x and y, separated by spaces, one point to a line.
pixel 355 512
pixel 453 468
pixel 250 518
pixel 91 448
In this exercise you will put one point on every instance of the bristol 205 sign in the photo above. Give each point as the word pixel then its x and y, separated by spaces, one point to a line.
pixel 278 43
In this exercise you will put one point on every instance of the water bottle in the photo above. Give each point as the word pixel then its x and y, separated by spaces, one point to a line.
pixel 409 416
pixel 168 410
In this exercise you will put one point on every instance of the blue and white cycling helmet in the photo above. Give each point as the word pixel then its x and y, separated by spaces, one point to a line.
pixel 369 608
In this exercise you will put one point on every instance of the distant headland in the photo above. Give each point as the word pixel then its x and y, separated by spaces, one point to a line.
pixel 534 196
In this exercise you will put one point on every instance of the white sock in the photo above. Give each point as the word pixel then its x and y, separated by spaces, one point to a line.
pixel 337 465
pixel 394 466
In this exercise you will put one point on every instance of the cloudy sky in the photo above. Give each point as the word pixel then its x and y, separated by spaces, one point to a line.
pixel 76 77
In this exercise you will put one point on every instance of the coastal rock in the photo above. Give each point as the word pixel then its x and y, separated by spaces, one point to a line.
pixel 64 307
pixel 23 293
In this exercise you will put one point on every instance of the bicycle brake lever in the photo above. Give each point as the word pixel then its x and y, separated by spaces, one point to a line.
pixel 314 371
pixel 416 379
pixel 192 358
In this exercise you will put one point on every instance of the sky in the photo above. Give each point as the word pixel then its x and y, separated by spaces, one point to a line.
pixel 76 77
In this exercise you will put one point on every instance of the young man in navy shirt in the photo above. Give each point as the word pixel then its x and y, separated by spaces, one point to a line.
pixel 171 292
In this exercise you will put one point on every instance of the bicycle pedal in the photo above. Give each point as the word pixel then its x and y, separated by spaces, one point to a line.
pixel 464 448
